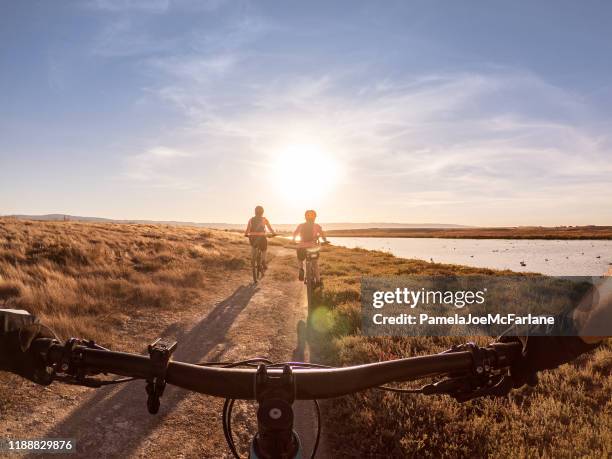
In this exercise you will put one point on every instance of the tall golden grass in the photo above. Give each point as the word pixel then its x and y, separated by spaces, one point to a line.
pixel 82 279
pixel 569 414
pixel 90 280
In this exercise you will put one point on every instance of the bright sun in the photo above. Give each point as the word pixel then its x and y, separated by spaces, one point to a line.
pixel 305 172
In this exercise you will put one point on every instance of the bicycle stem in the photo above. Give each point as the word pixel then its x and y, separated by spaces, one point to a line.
pixel 275 438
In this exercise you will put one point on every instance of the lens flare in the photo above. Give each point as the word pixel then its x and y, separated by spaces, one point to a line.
pixel 322 319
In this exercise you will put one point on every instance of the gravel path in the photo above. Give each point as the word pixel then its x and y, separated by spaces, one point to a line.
pixel 240 321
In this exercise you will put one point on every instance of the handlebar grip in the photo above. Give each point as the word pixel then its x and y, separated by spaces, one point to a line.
pixel 50 348
pixel 120 363
pixel 507 353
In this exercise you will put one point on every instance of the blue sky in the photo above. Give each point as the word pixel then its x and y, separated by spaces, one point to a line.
pixel 482 113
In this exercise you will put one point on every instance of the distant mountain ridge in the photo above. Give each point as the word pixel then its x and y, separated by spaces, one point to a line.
pixel 236 226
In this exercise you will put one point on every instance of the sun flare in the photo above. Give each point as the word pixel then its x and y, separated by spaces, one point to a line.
pixel 305 172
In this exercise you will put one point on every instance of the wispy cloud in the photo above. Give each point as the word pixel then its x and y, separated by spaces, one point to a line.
pixel 195 69
pixel 429 113
pixel 154 168
pixel 146 6
pixel 128 32
pixel 122 37
pixel 153 6
pixel 442 139
pixel 489 134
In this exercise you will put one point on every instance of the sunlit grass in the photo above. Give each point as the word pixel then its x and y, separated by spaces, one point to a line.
pixel 569 414
pixel 78 276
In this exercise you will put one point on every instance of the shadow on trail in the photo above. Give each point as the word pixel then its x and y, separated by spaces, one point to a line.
pixel 114 422
pixel 308 348
pixel 299 353
pixel 309 342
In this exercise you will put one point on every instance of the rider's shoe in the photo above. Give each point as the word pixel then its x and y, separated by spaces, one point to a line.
pixel 301 274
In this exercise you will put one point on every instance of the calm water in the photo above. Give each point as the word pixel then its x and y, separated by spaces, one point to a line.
pixel 552 257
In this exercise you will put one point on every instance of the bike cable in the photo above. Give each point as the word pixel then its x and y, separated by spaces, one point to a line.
pixel 418 390
pixel 226 420
pixel 91 382
pixel 317 438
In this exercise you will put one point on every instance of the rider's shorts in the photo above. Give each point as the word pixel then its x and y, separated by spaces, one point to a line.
pixel 260 242
pixel 301 254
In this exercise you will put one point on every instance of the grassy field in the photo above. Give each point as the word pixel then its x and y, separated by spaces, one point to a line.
pixel 92 280
pixel 521 232
pixel 569 414
pixel 100 280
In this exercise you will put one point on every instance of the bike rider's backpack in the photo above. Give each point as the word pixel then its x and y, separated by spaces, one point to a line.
pixel 258 224
pixel 307 232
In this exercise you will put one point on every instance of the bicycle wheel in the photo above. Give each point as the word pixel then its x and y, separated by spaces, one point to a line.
pixel 309 285
pixel 260 270
pixel 255 263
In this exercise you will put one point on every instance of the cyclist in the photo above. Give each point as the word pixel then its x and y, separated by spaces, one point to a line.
pixel 309 233
pixel 256 231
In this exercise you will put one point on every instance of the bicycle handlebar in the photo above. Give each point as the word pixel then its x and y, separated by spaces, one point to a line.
pixel 310 384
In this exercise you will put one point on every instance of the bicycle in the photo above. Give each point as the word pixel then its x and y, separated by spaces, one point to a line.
pixel 257 264
pixel 311 260
pixel 467 371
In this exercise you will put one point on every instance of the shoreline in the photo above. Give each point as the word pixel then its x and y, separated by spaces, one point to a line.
pixel 519 233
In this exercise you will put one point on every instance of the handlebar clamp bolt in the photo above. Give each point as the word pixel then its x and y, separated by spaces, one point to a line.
pixel 275 413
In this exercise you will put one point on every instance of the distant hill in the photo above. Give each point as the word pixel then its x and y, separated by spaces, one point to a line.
pixel 238 226
pixel 59 217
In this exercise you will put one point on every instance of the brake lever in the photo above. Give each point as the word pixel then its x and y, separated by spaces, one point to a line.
pixel 464 388
pixel 485 379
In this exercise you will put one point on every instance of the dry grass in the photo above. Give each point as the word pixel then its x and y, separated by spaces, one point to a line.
pixel 95 280
pixel 521 232
pixel 569 414
pixel 88 280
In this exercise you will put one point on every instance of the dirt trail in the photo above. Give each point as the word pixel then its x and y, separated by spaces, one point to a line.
pixel 250 321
